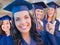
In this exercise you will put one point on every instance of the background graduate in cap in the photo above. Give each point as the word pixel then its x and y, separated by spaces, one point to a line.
pixel 51 23
pixel 5 37
pixel 39 12
pixel 24 28
pixel 39 17
pixel 51 15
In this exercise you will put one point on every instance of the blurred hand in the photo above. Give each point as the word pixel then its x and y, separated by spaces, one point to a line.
pixel 50 28
pixel 6 30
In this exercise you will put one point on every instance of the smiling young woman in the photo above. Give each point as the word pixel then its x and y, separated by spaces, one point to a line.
pixel 5 28
pixel 24 28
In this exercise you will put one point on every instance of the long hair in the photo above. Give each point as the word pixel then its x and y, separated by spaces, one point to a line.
pixel 1 30
pixel 18 38
pixel 53 17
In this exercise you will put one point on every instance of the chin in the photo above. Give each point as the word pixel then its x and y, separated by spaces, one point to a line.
pixel 24 31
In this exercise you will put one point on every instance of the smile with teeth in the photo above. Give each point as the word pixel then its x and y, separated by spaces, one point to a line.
pixel 23 27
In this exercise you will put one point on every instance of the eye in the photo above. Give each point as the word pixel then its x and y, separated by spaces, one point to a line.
pixel 17 19
pixel 41 11
pixel 38 10
pixel 48 9
pixel 52 10
pixel 26 17
pixel 7 23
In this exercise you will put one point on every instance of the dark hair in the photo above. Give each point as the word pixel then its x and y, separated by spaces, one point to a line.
pixel 18 38
pixel 1 30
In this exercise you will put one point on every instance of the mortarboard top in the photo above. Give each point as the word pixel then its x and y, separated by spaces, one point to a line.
pixel 17 3
pixel 53 5
pixel 39 5
pixel 6 17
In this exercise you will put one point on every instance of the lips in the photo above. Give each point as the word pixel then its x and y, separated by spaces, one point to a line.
pixel 23 27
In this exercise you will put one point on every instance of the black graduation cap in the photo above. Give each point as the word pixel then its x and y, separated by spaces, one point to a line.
pixel 6 17
pixel 53 5
pixel 17 3
pixel 39 5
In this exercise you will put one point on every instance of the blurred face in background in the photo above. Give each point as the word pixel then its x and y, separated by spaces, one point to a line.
pixel 51 11
pixel 22 21
pixel 39 14
pixel 6 25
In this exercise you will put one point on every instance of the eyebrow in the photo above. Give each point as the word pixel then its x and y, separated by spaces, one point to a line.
pixel 25 15
pixel 17 18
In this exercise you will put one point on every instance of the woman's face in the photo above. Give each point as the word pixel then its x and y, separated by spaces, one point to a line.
pixel 39 14
pixel 6 25
pixel 51 12
pixel 22 21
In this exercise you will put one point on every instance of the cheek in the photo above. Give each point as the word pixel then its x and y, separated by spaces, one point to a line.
pixel 52 12
pixel 9 25
pixel 29 23
pixel 37 13
pixel 17 23
pixel 28 26
pixel 3 27
pixel 48 12
pixel 6 26
pixel 41 14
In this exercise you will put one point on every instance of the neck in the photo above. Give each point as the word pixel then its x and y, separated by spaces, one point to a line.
pixel 49 19
pixel 26 37
pixel 39 20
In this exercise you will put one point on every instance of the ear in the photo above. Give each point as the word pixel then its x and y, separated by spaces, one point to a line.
pixel 2 27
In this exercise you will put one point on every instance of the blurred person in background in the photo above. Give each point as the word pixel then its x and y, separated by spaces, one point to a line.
pixel 5 28
pixel 51 24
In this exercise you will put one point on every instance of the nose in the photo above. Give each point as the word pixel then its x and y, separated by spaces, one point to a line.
pixel 23 22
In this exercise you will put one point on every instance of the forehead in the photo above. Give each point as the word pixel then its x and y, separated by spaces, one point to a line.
pixel 39 9
pixel 50 8
pixel 21 14
pixel 5 20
